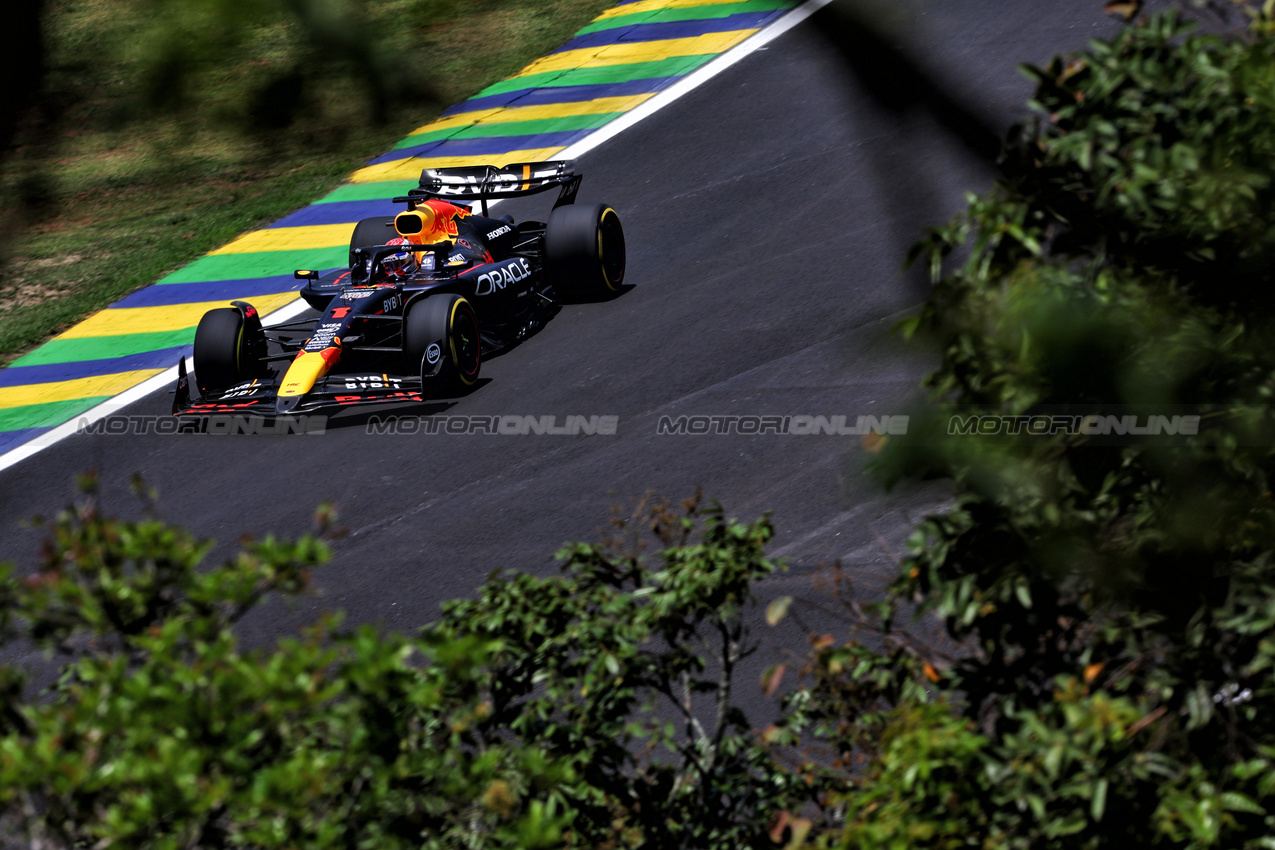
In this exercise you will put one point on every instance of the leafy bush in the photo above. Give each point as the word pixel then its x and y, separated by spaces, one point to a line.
pixel 1110 600
pixel 524 718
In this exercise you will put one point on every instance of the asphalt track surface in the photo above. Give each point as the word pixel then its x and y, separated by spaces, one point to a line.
pixel 766 215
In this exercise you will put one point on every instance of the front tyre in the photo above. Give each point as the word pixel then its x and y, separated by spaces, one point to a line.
pixel 225 351
pixel 440 338
pixel 584 250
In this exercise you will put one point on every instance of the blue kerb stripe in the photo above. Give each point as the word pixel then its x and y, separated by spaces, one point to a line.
pixel 13 439
pixel 494 146
pixel 671 29
pixel 48 373
pixel 544 96
pixel 340 212
pixel 167 294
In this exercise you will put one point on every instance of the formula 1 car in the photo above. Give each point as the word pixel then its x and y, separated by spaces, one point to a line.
pixel 427 295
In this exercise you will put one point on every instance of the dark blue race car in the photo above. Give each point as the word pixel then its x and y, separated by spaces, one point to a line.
pixel 427 294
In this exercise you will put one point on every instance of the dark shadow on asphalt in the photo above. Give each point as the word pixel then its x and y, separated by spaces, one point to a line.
pixel 361 418
pixel 598 298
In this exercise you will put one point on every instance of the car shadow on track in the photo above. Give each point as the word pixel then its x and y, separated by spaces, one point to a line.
pixel 367 419
pixel 598 298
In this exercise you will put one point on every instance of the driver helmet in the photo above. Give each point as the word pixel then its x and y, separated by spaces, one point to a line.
pixel 400 264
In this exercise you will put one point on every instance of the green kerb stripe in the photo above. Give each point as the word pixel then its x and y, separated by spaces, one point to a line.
pixel 673 67
pixel 218 267
pixel 369 191
pixel 696 13
pixel 103 347
pixel 45 415
pixel 496 129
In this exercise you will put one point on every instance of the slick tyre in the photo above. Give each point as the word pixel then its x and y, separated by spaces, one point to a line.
pixel 441 332
pixel 223 351
pixel 584 250
pixel 371 231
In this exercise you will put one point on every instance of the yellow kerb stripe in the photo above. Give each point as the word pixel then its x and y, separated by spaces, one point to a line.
pixel 638 51
pixel 464 119
pixel 597 106
pixel 102 385
pixel 140 320
pixel 408 169
pixel 658 5
pixel 289 239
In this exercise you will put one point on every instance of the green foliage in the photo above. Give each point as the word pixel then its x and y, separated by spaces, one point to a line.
pixel 162 732
pixel 625 670
pixel 1109 601
pixel 593 708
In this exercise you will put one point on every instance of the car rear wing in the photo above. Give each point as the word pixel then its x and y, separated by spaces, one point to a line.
pixel 487 182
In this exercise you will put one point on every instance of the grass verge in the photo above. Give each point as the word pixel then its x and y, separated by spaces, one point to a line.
pixel 148 151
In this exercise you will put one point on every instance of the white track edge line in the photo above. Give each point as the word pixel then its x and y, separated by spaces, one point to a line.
pixel 609 131
pixel 111 406
pixel 694 80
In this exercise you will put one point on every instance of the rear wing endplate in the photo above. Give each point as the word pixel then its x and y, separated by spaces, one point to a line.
pixel 487 182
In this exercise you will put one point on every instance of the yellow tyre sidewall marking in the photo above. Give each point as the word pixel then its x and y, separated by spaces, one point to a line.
pixel 451 341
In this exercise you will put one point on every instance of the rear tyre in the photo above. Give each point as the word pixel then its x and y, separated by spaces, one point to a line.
pixel 584 250
pixel 371 231
pixel 441 332
pixel 224 351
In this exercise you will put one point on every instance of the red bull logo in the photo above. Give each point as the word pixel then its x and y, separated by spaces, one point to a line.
pixel 433 221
